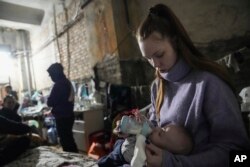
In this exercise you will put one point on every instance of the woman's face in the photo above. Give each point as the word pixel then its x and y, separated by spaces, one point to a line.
pixel 158 51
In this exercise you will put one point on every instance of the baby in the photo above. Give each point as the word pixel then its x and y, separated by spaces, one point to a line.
pixel 173 138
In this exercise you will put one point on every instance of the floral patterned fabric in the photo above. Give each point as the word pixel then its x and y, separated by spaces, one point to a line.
pixel 45 156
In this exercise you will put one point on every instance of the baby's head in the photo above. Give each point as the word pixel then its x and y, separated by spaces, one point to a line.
pixel 172 137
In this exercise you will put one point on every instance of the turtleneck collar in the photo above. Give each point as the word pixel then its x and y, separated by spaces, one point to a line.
pixel 177 72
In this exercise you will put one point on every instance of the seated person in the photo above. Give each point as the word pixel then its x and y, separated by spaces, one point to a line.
pixel 172 137
pixel 14 139
pixel 9 109
pixel 10 92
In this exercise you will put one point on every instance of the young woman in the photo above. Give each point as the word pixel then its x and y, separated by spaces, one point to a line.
pixel 191 91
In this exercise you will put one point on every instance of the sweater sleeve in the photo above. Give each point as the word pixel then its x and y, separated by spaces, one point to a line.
pixel 226 130
pixel 11 127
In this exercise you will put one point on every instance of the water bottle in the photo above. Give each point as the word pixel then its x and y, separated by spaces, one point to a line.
pixel 52 135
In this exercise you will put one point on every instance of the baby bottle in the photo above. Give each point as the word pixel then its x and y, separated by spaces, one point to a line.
pixel 130 125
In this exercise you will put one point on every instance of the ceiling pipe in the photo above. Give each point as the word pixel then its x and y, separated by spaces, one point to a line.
pixel 84 3
pixel 27 61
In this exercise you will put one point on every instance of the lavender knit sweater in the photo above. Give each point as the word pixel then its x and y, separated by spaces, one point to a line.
pixel 206 106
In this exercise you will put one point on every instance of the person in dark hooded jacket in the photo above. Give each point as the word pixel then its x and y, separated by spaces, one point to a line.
pixel 61 99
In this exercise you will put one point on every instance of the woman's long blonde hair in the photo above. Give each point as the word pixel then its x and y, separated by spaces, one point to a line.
pixel 162 20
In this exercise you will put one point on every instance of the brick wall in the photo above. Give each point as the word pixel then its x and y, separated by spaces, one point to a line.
pixel 82 44
pixel 73 51
pixel 104 37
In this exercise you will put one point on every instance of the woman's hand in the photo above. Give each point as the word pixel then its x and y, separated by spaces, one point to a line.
pixel 47 113
pixel 153 154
